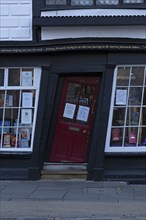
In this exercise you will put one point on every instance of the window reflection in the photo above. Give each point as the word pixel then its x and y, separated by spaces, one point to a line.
pixel 123 76
pixel 118 116
pixel 137 76
pixel 133 114
pixel 73 93
pixel 135 95
pixel 14 77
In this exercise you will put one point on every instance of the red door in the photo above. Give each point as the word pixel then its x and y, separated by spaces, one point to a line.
pixel 75 119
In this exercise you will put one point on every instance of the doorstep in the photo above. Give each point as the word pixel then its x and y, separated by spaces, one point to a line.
pixel 64 171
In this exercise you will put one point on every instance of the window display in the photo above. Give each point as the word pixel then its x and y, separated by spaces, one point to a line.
pixel 127 121
pixel 18 105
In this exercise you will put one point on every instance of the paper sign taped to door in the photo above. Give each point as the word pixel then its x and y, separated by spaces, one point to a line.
pixel 83 113
pixel 69 110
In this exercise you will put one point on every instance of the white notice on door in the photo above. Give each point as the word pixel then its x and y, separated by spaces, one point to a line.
pixel 83 113
pixel 69 110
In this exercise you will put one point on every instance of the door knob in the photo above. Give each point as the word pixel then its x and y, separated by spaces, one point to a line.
pixel 84 131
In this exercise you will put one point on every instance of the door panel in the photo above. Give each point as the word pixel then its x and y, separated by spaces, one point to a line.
pixel 75 119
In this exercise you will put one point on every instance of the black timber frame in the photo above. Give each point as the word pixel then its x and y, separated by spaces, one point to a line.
pixel 89 21
pixel 57 64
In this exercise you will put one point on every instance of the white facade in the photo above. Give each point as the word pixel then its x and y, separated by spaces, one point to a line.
pixel 50 33
pixel 15 20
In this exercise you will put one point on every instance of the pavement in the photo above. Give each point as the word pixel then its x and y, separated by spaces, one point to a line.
pixel 71 200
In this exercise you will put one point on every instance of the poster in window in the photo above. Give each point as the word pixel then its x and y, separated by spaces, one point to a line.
pixel 24 143
pixel 26 116
pixel 121 97
pixel 7 140
pixel 83 113
pixel 26 78
pixel 69 110
pixel 27 99
pixel 6 128
pixel 25 133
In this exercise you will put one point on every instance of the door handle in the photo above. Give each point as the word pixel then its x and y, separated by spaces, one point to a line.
pixel 84 131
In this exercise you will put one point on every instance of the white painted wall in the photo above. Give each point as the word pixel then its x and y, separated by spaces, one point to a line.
pixel 15 20
pixel 102 32
pixel 50 33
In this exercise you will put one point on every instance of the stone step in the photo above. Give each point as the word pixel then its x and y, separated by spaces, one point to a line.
pixel 64 171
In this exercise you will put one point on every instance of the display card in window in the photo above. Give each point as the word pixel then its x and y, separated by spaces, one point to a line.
pixel 26 78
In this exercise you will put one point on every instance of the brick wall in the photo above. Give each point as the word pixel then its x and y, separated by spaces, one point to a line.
pixel 15 20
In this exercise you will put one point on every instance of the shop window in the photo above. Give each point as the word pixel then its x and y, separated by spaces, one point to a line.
pixel 19 92
pixel 127 121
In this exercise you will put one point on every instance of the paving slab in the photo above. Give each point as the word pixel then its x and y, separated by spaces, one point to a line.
pixel 71 200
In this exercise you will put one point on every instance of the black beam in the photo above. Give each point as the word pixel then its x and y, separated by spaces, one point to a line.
pixel 89 21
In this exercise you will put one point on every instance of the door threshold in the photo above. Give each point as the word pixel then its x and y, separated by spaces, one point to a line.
pixel 65 166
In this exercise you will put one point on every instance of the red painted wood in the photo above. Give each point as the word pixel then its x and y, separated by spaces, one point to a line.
pixel 71 138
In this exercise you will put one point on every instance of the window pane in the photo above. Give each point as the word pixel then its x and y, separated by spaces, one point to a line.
pixel 107 2
pixel 73 93
pixel 86 95
pixel 116 137
pixel 142 136
pixel 143 118
pixel 81 2
pixel 118 116
pixel 2 98
pixel 137 76
pixel 14 77
pixel 12 98
pixel 55 2
pixel 133 114
pixel 123 76
pixel 135 95
pixel 133 1
pixel 11 115
pixel 1 116
pixel 144 97
pixel 131 136
pixel 1 77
